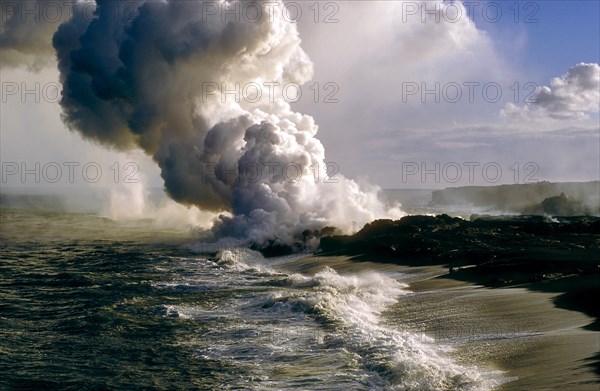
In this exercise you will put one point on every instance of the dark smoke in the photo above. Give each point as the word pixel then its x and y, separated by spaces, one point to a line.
pixel 136 77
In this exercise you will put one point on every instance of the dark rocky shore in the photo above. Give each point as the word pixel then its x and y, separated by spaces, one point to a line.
pixel 555 255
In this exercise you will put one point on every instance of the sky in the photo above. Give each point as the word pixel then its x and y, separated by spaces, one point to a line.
pixel 371 61
pixel 382 132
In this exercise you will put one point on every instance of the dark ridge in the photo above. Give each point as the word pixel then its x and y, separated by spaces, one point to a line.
pixel 565 244
pixel 546 198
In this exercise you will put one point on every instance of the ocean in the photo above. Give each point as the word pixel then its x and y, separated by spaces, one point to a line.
pixel 89 303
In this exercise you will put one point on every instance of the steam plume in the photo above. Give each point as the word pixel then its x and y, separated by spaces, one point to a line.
pixel 142 81
pixel 26 29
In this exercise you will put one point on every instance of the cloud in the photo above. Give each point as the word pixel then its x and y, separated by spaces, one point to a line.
pixel 376 49
pixel 26 30
pixel 562 154
pixel 141 83
pixel 570 97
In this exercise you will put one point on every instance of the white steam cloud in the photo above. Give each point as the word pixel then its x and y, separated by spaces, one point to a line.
pixel 161 79
pixel 569 97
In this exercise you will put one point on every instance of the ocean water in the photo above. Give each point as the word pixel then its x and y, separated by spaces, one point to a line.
pixel 91 303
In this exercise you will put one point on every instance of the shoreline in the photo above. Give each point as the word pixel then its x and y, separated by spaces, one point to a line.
pixel 544 254
pixel 519 330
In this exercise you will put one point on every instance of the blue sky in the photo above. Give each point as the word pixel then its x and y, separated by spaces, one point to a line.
pixel 564 34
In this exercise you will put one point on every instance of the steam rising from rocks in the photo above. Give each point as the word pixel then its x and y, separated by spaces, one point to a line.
pixel 141 82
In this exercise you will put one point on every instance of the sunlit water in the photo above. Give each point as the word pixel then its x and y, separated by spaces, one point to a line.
pixel 88 303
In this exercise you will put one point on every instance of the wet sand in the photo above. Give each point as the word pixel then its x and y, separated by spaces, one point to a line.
pixel 515 330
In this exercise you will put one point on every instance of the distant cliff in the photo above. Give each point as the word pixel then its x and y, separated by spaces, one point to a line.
pixel 558 199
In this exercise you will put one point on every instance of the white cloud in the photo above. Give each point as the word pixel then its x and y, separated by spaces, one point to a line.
pixel 375 50
pixel 570 97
